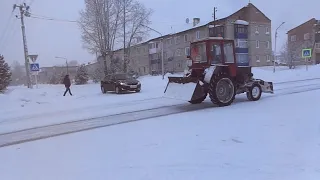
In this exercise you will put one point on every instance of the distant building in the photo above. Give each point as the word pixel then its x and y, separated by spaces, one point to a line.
pixel 46 73
pixel 306 35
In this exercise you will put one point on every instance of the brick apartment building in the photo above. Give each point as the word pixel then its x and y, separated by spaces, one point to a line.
pixel 306 35
pixel 249 27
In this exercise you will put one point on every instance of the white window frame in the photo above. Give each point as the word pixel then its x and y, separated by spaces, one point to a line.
pixel 317 45
pixel 306 36
pixel 187 51
pixel 257 43
pixel 185 37
pixel 178 52
pixel 257 58
pixel 240 43
pixel 198 35
pixel 257 29
pixel 268 58
pixel 293 38
pixel 267 30
pixel 268 44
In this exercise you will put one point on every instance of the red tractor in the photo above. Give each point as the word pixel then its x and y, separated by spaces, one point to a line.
pixel 213 70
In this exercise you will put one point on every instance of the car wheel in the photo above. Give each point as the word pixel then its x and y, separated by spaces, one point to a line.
pixel 117 90
pixel 103 90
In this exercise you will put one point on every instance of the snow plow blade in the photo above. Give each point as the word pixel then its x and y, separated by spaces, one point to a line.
pixel 184 88
pixel 266 87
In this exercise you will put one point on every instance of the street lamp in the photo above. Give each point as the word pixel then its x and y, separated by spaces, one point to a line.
pixel 161 41
pixel 66 62
pixel 275 48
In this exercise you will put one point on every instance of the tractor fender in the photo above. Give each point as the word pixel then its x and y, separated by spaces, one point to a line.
pixel 211 71
pixel 208 73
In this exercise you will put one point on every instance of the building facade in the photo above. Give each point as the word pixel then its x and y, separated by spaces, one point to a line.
pixel 249 27
pixel 306 35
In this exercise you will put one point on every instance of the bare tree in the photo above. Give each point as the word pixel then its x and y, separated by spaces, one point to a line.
pixel 100 23
pixel 136 18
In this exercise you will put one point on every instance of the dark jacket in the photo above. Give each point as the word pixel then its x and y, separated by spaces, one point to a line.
pixel 66 81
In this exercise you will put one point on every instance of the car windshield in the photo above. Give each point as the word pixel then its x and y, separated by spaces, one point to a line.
pixel 121 76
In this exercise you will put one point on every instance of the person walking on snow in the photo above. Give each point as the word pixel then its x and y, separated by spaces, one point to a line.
pixel 67 84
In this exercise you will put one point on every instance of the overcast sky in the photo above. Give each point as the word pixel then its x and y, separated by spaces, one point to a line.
pixel 51 38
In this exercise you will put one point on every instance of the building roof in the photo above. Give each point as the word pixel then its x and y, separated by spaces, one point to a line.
pixel 189 26
pixel 312 19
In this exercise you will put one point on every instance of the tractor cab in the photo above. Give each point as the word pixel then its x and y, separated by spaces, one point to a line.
pixel 211 51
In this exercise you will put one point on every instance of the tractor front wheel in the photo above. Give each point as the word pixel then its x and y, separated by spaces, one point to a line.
pixel 254 92
pixel 222 90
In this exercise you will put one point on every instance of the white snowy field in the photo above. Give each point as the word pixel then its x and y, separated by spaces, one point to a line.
pixel 23 108
pixel 275 138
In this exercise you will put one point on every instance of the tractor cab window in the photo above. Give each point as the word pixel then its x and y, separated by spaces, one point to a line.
pixel 215 53
pixel 228 52
pixel 198 53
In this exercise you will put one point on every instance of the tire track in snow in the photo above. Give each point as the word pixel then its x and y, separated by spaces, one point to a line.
pixel 124 104
pixel 38 133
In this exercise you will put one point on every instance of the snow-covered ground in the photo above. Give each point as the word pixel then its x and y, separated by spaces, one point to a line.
pixel 23 108
pixel 275 138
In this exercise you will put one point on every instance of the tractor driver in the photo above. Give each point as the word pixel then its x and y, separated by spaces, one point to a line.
pixel 216 54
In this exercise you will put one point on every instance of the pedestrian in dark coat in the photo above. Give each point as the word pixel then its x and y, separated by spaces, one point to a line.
pixel 67 84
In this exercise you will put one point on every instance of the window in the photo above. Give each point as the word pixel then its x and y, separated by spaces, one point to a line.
pixel 257 44
pixel 257 58
pixel 268 45
pixel 228 53
pixel 242 58
pixel 198 34
pixel 157 45
pixel 241 29
pixel 199 53
pixel 185 37
pixel 306 36
pixel 267 30
pixel 293 38
pixel 187 51
pixel 177 39
pixel 241 43
pixel 144 69
pixel 216 54
pixel 178 52
pixel 268 58
pixel 257 30
pixel 317 45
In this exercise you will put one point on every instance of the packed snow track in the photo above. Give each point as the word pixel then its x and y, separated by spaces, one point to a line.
pixel 32 134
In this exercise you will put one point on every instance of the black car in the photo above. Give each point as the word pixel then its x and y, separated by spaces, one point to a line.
pixel 120 83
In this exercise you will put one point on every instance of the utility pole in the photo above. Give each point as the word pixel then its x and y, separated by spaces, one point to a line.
pixel 124 36
pixel 214 16
pixel 24 11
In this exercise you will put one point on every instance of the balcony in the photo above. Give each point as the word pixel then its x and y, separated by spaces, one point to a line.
pixel 217 31
pixel 241 50
pixel 154 47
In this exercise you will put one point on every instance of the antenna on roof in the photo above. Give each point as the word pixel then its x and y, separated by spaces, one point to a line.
pixel 187 20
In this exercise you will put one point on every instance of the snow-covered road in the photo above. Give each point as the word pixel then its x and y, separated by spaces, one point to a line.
pixel 275 138
pixel 149 108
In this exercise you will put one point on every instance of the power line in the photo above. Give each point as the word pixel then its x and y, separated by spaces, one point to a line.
pixel 53 19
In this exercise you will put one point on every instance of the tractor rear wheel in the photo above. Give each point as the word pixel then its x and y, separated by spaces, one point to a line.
pixel 222 90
